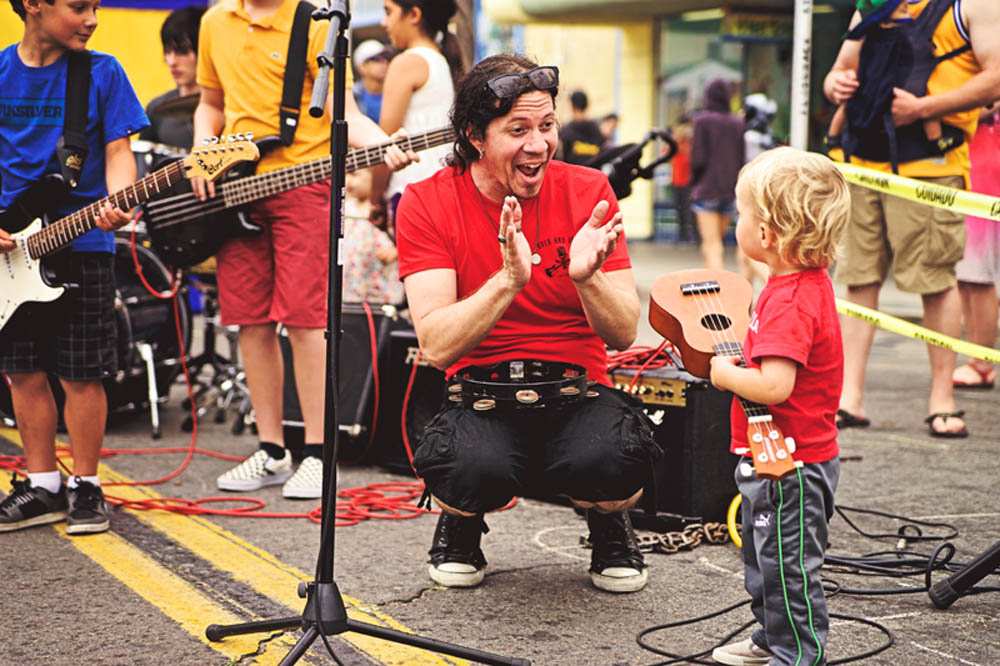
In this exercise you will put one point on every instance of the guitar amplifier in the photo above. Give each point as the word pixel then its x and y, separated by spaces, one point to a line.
pixel 694 478
pixel 426 396
pixel 356 379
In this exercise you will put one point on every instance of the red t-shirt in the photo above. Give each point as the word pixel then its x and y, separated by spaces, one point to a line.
pixel 681 176
pixel 796 318
pixel 443 222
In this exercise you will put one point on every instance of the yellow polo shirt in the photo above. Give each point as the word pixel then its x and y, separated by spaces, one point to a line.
pixel 948 75
pixel 245 58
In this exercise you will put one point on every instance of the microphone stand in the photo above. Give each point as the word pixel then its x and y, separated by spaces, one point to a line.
pixel 944 593
pixel 325 614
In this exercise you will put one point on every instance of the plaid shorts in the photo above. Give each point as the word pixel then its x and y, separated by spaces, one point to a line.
pixel 73 337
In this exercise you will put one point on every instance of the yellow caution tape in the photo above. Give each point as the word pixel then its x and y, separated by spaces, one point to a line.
pixel 921 191
pixel 903 327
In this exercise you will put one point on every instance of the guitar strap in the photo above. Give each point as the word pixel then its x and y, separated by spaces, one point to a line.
pixel 295 73
pixel 71 149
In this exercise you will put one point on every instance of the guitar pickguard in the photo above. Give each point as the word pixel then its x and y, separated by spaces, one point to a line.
pixel 22 279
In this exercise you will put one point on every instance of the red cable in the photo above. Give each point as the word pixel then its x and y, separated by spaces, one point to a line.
pixel 372 339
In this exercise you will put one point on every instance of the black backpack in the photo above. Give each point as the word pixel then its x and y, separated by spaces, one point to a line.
pixel 901 57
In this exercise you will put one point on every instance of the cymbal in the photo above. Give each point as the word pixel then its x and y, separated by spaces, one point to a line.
pixel 178 106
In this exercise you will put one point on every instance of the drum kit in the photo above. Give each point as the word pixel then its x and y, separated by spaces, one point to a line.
pixel 149 334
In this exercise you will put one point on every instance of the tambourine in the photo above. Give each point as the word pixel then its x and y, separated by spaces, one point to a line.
pixel 516 385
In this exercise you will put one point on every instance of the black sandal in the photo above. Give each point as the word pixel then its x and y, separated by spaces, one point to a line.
pixel 946 434
pixel 847 420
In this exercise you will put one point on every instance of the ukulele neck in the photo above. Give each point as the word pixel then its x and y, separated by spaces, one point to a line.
pixel 754 411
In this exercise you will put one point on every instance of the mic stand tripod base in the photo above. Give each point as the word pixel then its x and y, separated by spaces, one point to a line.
pixel 326 598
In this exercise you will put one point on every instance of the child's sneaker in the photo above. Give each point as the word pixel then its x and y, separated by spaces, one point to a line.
pixel 744 653
pixel 307 482
pixel 257 471
pixel 88 512
pixel 28 505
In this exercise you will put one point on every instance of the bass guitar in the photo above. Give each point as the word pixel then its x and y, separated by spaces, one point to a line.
pixel 185 231
pixel 706 313
pixel 21 277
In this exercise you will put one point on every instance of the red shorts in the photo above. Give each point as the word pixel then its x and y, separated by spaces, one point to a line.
pixel 280 275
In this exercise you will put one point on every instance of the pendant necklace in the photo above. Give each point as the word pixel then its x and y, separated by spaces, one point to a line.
pixel 536 258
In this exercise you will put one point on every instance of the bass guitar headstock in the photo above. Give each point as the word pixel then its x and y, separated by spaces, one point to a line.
pixel 770 449
pixel 212 160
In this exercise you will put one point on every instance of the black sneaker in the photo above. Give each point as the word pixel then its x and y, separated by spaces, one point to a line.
pixel 616 564
pixel 28 505
pixel 456 559
pixel 88 512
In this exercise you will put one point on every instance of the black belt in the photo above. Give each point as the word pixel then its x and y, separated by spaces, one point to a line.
pixel 514 385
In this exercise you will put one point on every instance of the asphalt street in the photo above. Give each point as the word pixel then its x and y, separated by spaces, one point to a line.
pixel 144 593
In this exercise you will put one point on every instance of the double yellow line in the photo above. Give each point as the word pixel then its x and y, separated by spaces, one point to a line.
pixel 242 561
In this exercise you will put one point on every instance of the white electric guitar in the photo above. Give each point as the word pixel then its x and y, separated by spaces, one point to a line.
pixel 21 277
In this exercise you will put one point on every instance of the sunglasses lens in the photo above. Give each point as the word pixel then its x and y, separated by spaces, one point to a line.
pixel 544 78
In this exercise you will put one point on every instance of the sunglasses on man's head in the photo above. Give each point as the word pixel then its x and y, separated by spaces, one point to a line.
pixel 511 85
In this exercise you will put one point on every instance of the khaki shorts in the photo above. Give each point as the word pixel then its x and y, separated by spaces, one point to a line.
pixel 921 244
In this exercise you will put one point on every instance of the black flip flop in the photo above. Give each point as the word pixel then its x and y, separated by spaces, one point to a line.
pixel 944 434
pixel 847 420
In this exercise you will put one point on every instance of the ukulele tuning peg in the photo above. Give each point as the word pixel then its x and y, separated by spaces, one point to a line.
pixel 781 454
pixel 790 444
pixel 746 469
pixel 762 457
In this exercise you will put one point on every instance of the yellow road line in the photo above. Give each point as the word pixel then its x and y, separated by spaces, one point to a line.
pixel 261 571
pixel 172 595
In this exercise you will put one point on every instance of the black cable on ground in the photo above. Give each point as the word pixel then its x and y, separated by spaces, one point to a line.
pixel 899 563
pixel 696 658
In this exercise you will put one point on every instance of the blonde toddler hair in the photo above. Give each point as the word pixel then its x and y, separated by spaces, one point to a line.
pixel 802 198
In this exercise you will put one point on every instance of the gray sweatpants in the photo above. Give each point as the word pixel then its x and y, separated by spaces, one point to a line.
pixel 784 541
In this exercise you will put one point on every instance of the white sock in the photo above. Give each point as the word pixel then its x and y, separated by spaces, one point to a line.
pixel 72 482
pixel 51 481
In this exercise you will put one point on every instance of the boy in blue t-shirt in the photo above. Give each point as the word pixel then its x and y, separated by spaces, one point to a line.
pixel 74 337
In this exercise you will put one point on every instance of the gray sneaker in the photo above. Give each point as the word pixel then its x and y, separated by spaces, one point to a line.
pixel 28 505
pixel 744 653
pixel 88 512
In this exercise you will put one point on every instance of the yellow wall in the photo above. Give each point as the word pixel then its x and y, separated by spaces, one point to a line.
pixel 131 35
pixel 587 59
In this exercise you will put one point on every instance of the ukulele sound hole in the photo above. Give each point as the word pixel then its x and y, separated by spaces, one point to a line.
pixel 716 322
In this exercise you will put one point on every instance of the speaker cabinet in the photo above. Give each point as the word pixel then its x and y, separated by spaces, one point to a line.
pixel 694 478
pixel 356 379
pixel 426 396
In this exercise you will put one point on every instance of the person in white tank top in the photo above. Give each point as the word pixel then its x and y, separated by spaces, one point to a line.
pixel 419 87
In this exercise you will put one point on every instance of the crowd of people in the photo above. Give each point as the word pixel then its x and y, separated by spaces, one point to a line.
pixel 512 262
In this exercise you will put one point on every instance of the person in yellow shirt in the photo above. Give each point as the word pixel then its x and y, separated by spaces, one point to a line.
pixel 279 276
pixel 919 244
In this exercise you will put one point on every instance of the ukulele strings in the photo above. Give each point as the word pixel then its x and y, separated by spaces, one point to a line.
pixel 718 336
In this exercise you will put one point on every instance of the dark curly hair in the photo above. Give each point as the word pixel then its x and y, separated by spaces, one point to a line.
pixel 476 106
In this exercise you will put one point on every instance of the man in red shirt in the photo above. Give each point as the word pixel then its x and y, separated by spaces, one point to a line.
pixel 508 256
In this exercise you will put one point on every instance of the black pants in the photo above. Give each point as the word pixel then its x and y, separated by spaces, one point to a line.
pixel 597 449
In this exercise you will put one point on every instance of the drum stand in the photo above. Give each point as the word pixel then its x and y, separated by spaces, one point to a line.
pixel 227 384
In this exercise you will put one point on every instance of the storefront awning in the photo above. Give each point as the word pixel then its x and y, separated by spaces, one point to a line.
pixel 571 11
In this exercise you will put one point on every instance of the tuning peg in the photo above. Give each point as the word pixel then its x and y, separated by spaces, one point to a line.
pixel 762 457
pixel 773 435
pixel 249 136
pixel 790 444
pixel 746 469
pixel 781 454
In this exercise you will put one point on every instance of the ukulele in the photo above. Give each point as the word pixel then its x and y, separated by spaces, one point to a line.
pixel 21 277
pixel 704 314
